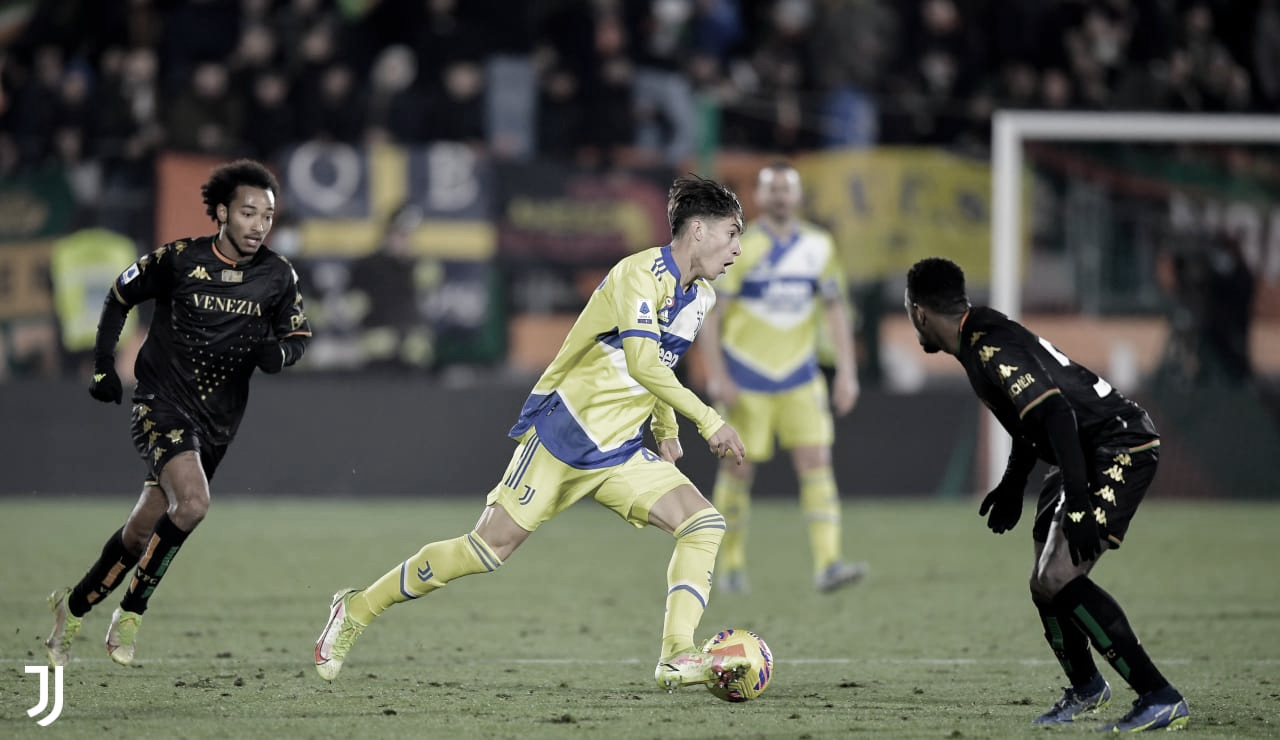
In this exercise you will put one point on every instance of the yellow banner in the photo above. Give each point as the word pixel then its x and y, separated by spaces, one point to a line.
pixel 889 207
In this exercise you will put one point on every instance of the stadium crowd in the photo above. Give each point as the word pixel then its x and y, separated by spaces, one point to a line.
pixel 105 85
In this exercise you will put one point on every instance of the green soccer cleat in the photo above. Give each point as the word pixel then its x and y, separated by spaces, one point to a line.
pixel 1077 701
pixel 122 635
pixel 1153 711
pixel 695 667
pixel 838 575
pixel 65 628
pixel 337 637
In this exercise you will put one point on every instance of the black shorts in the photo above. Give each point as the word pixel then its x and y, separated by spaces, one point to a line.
pixel 1118 479
pixel 161 431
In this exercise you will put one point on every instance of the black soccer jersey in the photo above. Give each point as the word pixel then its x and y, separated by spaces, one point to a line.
pixel 210 316
pixel 1012 370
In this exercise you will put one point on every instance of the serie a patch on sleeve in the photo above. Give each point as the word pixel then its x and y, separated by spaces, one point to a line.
pixel 128 275
pixel 644 312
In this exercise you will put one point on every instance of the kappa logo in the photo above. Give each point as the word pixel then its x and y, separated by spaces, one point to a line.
pixel 975 337
pixel 1007 370
pixel 987 352
pixel 199 273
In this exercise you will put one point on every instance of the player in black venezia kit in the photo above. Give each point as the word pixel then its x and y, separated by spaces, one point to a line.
pixel 225 305
pixel 1104 451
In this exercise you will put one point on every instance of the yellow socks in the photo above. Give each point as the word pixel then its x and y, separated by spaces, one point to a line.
pixel 431 568
pixel 689 578
pixel 820 503
pixel 732 496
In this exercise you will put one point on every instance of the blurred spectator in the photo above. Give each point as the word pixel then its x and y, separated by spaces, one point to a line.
pixel 208 116
pixel 334 109
pixel 1056 92
pixel 852 45
pixel 666 112
pixel 395 332
pixel 36 108
pixel 1211 292
pixel 782 114
pixel 195 31
pixel 304 34
pixel 587 83
pixel 255 55
pixel 1219 83
pixel 397 106
pixel 1266 53
pixel 273 123
pixel 73 135
pixel 560 114
pixel 938 68
pixel 457 110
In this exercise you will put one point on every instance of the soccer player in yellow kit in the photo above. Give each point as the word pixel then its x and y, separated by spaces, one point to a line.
pixel 580 435
pixel 760 351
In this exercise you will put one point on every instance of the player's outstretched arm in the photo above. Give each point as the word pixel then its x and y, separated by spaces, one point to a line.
pixel 649 371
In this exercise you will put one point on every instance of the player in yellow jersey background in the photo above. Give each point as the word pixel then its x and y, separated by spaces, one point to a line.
pixel 760 351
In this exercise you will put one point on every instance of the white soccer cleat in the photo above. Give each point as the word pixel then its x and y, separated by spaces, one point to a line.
pixel 337 637
pixel 695 667
pixel 122 635
pixel 65 628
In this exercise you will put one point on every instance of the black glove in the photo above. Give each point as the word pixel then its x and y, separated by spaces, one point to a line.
pixel 105 385
pixel 1080 527
pixel 269 356
pixel 1005 504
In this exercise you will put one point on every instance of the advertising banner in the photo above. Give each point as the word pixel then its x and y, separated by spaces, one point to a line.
pixel 550 212
pixel 889 207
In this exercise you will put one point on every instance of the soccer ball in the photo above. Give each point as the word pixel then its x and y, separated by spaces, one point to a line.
pixel 748 644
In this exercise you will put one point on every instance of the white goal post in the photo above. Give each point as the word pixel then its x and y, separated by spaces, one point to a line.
pixel 1013 128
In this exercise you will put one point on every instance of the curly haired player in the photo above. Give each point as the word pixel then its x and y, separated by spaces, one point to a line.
pixel 224 305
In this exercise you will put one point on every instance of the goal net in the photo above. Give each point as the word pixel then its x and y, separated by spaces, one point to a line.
pixel 1163 228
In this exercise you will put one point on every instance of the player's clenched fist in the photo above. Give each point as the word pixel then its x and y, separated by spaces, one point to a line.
pixel 105 385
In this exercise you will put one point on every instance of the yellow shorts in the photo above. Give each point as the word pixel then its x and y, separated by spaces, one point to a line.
pixel 537 486
pixel 798 417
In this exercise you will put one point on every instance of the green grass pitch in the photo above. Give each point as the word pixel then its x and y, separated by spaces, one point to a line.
pixel 940 641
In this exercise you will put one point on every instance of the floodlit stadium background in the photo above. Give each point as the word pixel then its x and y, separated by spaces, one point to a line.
pixel 521 148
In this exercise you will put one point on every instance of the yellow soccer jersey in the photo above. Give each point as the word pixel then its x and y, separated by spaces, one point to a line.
pixel 779 284
pixel 614 370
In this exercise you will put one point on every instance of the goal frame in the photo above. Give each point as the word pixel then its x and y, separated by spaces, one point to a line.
pixel 1011 129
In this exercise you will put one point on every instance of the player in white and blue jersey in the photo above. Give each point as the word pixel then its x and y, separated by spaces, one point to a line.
pixel 761 353
pixel 580 433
